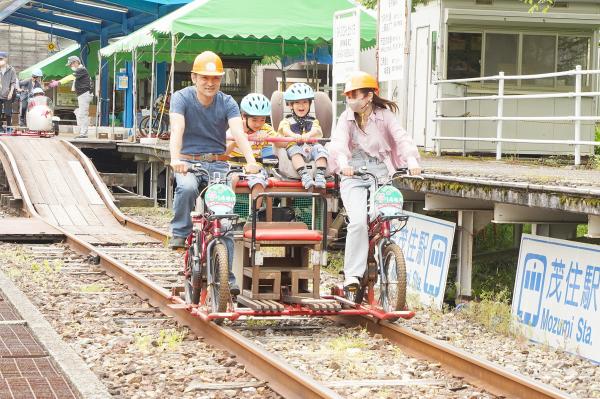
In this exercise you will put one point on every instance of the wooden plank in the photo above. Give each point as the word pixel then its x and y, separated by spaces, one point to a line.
pixel 85 183
pixel 71 180
pixel 46 213
pixel 26 226
pixel 119 179
pixel 76 216
pixel 61 216
pixel 60 188
pixel 41 181
pixel 89 215
pixel 44 150
pixel 32 189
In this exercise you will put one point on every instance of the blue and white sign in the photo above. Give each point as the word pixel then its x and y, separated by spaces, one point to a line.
pixel 427 246
pixel 556 296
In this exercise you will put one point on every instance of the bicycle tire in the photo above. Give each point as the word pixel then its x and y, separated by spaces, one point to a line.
pixel 193 283
pixel 219 289
pixel 392 290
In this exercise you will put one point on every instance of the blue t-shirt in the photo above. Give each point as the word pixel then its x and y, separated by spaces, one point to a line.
pixel 205 127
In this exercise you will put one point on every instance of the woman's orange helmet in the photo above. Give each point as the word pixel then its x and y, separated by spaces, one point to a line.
pixel 361 80
pixel 209 64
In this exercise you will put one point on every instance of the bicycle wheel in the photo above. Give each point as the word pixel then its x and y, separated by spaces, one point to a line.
pixel 193 283
pixel 218 288
pixel 392 284
pixel 143 127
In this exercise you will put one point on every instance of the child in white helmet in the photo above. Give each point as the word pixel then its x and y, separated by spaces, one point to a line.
pixel 255 108
pixel 300 125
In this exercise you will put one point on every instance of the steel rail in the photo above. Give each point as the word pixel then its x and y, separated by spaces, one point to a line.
pixel 476 370
pixel 480 372
pixel 266 366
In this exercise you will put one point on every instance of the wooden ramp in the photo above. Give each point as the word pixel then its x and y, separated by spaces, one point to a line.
pixel 63 194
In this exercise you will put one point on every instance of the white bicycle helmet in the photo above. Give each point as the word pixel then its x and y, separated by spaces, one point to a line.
pixel 299 91
pixel 255 104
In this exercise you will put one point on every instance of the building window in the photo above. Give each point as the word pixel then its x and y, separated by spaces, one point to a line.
pixel 501 53
pixel 464 55
pixel 473 54
pixel 539 56
pixel 572 51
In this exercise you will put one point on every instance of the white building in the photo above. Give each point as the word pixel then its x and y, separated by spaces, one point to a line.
pixel 452 39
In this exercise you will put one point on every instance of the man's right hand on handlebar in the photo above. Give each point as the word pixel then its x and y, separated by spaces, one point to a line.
pixel 179 166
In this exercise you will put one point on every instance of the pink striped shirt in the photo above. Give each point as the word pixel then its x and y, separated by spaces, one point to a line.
pixel 383 138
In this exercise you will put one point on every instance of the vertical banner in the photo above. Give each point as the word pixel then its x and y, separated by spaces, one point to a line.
pixel 391 39
pixel 556 295
pixel 427 246
pixel 346 53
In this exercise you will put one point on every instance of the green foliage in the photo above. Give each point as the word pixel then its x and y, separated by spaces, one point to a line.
pixel 335 262
pixel 166 340
pixel 597 138
pixel 582 230
pixel 539 5
pixel 92 288
pixel 492 311
pixel 369 3
pixel 494 236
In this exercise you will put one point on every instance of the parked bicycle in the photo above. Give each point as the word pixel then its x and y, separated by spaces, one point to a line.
pixel 384 282
pixel 160 120
pixel 206 259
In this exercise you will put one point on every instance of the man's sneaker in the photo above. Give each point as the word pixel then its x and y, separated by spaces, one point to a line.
pixel 307 181
pixel 177 242
pixel 320 181
pixel 234 289
pixel 351 283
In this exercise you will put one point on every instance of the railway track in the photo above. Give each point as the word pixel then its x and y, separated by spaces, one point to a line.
pixel 137 268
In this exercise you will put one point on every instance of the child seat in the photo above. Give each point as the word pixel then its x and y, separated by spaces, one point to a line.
pixel 320 109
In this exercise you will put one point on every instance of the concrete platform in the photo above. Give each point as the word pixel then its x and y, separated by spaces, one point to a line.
pixel 34 361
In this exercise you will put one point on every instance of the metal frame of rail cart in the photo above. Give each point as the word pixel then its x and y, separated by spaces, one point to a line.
pixel 282 259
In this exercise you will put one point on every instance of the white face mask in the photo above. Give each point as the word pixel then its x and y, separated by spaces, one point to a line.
pixel 73 69
pixel 358 105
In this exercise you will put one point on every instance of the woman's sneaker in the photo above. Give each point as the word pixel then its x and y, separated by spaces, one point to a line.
pixel 351 283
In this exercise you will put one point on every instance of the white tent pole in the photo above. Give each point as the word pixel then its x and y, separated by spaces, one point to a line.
pixel 173 47
pixel 152 83
pixel 99 91
pixel 114 91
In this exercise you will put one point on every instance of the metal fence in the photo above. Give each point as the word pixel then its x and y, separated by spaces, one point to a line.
pixel 500 97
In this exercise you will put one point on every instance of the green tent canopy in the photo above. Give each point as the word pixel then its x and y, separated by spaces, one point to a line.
pixel 242 28
pixel 55 66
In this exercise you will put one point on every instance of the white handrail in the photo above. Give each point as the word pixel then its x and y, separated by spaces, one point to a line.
pixel 577 118
pixel 520 96
pixel 523 77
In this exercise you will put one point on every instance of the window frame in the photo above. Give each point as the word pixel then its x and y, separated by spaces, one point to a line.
pixel 518 84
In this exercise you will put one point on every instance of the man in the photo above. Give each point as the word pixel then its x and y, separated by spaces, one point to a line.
pixel 8 85
pixel 26 90
pixel 199 116
pixel 82 86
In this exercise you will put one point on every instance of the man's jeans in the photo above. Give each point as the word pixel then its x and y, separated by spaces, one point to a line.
pixel 82 113
pixel 188 188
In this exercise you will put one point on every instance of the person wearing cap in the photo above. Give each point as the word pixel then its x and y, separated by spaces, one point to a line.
pixel 26 88
pixel 82 86
pixel 367 135
pixel 8 85
pixel 200 115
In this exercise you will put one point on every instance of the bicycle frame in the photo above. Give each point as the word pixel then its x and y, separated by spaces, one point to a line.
pixel 208 229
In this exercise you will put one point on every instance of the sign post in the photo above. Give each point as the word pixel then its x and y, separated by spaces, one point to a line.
pixel 346 52
pixel 556 299
pixel 427 246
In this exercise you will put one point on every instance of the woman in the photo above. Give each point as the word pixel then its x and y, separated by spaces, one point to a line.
pixel 367 135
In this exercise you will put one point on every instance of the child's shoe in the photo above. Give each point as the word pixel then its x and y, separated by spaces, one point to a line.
pixel 307 181
pixel 320 181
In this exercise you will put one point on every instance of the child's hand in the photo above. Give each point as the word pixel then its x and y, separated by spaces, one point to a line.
pixel 259 136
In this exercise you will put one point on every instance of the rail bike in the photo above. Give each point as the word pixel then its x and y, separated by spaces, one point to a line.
pixel 40 119
pixel 280 248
